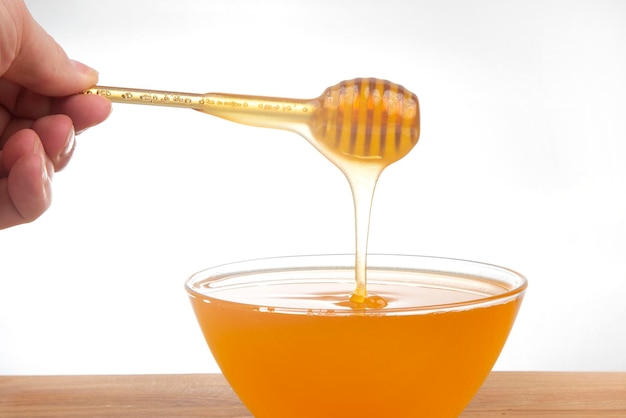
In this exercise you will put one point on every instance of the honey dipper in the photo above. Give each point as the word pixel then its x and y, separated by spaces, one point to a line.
pixel 360 119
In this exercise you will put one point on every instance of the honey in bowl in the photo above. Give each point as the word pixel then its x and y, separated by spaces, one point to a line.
pixel 289 347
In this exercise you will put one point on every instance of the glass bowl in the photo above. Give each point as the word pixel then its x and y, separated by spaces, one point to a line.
pixel 290 344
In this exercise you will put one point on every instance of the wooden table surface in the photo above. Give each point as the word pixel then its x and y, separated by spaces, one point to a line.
pixel 510 394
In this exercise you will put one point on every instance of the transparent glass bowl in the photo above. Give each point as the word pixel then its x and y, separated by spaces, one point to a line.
pixel 290 345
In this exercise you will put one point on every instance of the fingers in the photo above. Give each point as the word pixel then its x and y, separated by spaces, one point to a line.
pixel 25 193
pixel 81 111
pixel 29 158
pixel 39 63
pixel 86 110
pixel 37 84
pixel 56 133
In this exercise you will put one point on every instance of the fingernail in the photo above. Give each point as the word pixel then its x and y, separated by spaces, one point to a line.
pixel 85 69
pixel 70 142
pixel 46 176
pixel 47 169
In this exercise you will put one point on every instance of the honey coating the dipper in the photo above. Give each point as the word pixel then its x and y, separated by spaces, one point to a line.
pixel 368 118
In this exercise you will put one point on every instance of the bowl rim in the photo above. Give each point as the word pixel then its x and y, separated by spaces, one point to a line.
pixel 401 262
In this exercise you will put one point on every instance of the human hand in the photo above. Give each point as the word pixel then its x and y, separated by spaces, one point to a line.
pixel 40 112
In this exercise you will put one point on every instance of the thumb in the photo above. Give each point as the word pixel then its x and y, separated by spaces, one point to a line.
pixel 39 63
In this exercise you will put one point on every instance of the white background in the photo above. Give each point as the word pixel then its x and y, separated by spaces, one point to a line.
pixel 521 163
